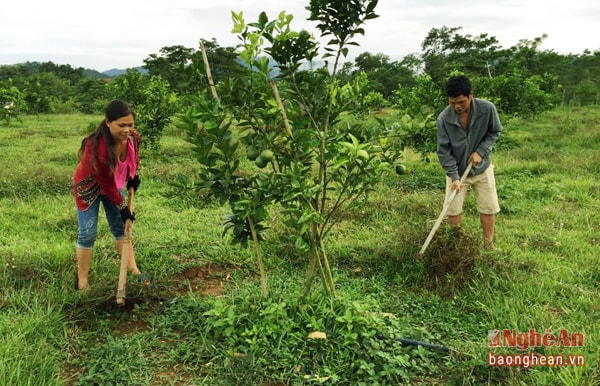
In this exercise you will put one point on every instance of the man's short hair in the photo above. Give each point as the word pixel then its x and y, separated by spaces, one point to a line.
pixel 458 85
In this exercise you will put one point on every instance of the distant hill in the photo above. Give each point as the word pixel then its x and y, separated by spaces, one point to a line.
pixel 116 71
pixel 89 73
pixel 27 68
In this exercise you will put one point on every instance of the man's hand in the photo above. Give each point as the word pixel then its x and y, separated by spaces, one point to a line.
pixel 475 158
pixel 456 185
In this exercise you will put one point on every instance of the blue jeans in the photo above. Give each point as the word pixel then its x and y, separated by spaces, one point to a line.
pixel 88 222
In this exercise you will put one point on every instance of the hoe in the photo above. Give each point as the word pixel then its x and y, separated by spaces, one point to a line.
pixel 447 202
pixel 126 254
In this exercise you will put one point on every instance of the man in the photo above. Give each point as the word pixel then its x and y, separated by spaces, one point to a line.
pixel 466 132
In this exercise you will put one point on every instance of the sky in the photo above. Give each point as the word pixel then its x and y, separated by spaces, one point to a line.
pixel 110 34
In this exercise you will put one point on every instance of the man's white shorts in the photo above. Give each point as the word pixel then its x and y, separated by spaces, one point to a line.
pixel 484 186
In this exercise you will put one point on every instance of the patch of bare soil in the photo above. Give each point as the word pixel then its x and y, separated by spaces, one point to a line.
pixel 132 326
pixel 208 280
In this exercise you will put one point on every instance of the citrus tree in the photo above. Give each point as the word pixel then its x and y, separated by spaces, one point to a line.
pixel 295 120
pixel 11 103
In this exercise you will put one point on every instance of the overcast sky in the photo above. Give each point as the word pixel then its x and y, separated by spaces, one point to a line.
pixel 108 34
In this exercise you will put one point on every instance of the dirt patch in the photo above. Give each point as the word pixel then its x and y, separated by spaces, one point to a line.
pixel 208 280
pixel 132 326
pixel 450 259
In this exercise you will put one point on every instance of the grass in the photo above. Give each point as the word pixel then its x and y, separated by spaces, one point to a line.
pixel 205 321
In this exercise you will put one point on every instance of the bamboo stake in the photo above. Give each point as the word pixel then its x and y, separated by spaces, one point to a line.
pixel 211 83
pixel 286 122
pixel 329 278
pixel 261 266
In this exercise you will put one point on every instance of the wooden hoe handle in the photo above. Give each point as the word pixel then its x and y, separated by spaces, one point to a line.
pixel 447 202
pixel 125 253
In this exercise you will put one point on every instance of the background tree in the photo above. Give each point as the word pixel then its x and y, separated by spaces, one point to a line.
pixel 156 111
pixel 129 87
pixel 446 50
pixel 152 100
pixel 170 64
pixel 435 51
pixel 92 95
pixel 224 61
pixel 183 67
pixel 44 92
pixel 16 74
pixel 63 71
pixel 580 78
pixel 384 76
pixel 11 102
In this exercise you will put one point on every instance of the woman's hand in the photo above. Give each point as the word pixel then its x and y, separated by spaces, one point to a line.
pixel 126 214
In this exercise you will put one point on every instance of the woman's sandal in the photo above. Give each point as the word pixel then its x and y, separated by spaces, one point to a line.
pixel 144 279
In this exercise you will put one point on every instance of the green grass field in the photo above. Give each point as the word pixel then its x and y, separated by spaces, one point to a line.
pixel 205 321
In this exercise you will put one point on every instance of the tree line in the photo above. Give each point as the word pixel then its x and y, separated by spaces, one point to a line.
pixel 521 80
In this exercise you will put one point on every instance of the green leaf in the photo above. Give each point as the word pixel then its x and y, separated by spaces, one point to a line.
pixel 340 162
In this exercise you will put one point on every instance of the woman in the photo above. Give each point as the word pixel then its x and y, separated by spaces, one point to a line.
pixel 108 163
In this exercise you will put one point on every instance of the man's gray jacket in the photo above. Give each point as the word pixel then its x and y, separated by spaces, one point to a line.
pixel 455 144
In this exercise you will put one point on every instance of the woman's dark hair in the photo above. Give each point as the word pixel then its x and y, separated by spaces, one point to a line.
pixel 116 109
pixel 458 85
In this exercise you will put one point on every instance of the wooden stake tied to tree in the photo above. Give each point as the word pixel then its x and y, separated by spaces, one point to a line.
pixel 261 266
